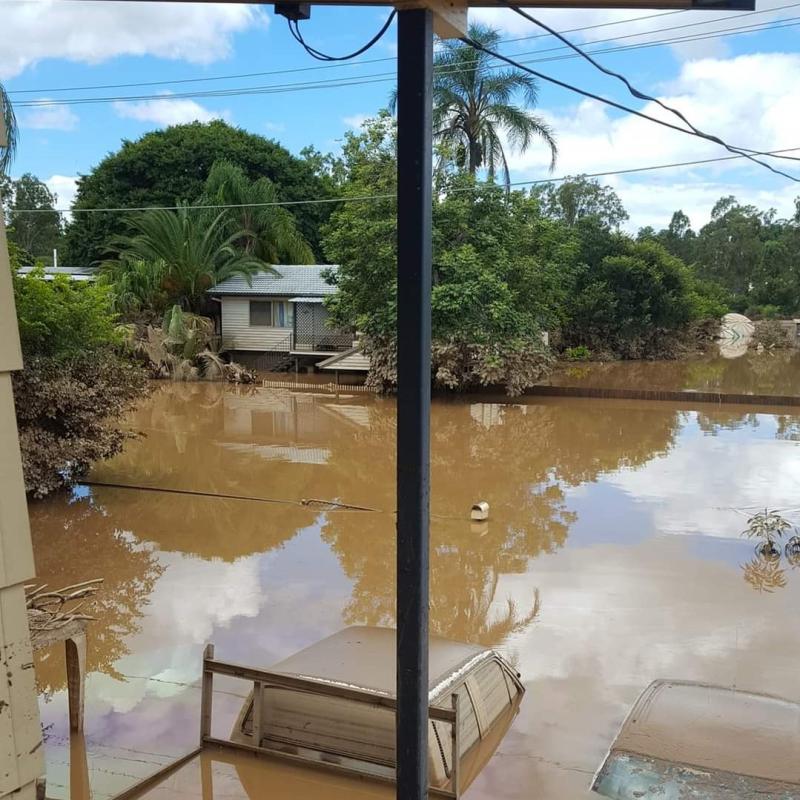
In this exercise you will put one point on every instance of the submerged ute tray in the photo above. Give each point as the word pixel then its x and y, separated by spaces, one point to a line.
pixel 691 740
pixel 333 705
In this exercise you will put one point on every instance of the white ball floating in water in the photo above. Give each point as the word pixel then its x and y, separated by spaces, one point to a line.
pixel 480 511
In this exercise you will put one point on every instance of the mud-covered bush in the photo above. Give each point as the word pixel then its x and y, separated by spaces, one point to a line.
pixel 67 410
pixel 770 335
pixel 76 383
pixel 460 366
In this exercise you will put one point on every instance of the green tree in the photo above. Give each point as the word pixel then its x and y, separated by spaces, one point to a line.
pixel 195 248
pixel 473 107
pixel 268 232
pixel 497 267
pixel 580 198
pixel 34 224
pixel 731 247
pixel 169 165
pixel 9 123
pixel 637 294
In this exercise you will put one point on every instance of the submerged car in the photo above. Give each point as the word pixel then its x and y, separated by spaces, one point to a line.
pixel 686 740
pixel 334 704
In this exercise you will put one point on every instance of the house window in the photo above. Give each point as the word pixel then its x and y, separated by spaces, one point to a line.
pixel 261 313
pixel 271 313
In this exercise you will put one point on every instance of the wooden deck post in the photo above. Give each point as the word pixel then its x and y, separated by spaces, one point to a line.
pixel 455 778
pixel 206 695
pixel 79 787
pixel 75 653
pixel 257 708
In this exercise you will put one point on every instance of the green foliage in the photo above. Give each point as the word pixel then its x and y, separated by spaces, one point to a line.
pixel 581 198
pixel 9 121
pixel 266 231
pixel 136 285
pixel 173 164
pixel 61 318
pixel 473 108
pixel 33 223
pixel 630 300
pixel 579 353
pixel 75 385
pixel 196 247
pixel 708 300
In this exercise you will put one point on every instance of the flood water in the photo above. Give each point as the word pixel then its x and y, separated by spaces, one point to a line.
pixel 775 373
pixel 612 557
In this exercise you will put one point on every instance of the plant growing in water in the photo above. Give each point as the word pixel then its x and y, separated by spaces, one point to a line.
pixel 767 526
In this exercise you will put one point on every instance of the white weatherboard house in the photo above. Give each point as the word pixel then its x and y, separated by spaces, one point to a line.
pixel 279 314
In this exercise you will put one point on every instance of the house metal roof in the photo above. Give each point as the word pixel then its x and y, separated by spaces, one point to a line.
pixel 304 280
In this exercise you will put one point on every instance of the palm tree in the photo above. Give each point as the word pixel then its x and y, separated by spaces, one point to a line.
pixel 196 248
pixel 267 231
pixel 10 124
pixel 472 106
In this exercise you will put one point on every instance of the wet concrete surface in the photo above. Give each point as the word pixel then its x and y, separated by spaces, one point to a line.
pixel 612 557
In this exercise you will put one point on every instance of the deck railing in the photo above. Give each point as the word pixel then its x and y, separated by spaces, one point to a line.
pixel 263 679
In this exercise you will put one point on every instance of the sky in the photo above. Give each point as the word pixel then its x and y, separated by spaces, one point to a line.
pixel 733 74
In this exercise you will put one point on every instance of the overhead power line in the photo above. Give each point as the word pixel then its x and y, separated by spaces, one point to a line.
pixel 367 198
pixel 385 77
pixel 637 93
pixel 237 76
pixel 577 90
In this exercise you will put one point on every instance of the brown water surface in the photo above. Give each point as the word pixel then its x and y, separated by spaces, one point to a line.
pixel 612 557
pixel 775 373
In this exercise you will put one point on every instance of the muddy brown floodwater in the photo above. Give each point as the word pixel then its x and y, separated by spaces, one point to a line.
pixel 612 557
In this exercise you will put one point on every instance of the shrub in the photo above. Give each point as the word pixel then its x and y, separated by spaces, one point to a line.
pixel 65 410
pixel 579 353
pixel 61 317
pixel 75 384
pixel 770 335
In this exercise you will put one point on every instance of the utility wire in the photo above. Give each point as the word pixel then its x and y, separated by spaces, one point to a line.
pixel 365 198
pixel 54 89
pixel 564 85
pixel 294 29
pixel 638 94
pixel 387 76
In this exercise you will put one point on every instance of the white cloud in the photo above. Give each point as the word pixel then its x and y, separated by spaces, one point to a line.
pixel 94 32
pixel 356 120
pixel 65 187
pixel 168 111
pixel 50 117
pixel 749 101
pixel 637 27
pixel 274 127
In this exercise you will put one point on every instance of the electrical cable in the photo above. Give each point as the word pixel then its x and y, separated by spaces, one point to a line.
pixel 363 198
pixel 294 29
pixel 639 95
pixel 570 87
pixel 754 28
pixel 384 77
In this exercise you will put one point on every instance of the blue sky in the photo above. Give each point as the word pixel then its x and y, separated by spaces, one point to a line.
pixel 743 87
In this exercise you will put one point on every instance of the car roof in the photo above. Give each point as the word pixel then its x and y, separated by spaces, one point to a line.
pixel 364 658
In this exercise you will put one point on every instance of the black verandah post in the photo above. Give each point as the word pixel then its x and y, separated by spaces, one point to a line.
pixel 414 159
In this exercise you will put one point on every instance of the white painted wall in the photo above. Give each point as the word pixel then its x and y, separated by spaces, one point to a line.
pixel 237 333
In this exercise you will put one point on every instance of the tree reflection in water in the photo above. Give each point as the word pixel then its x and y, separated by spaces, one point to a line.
pixel 517 457
pixel 77 540
pixel 764 573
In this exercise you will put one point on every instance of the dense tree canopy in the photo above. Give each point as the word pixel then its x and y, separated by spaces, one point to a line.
pixel 751 254
pixel 171 165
